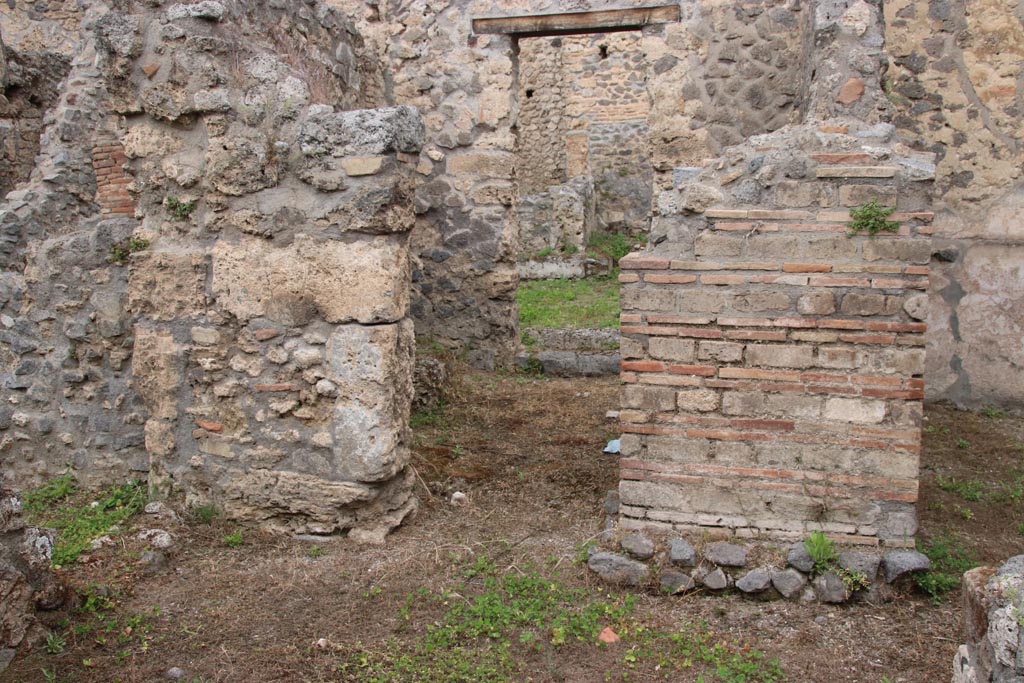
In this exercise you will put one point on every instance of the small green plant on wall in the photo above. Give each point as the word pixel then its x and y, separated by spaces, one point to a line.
pixel 179 209
pixel 872 218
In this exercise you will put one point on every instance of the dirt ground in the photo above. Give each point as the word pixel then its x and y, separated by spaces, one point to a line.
pixel 527 452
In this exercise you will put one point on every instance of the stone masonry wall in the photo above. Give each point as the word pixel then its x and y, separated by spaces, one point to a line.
pixel 774 363
pixel 464 278
pixel 957 86
pixel 228 311
pixel 541 124
pixel 774 373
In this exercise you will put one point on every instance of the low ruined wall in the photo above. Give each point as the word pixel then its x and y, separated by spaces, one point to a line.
pixel 773 363
pixel 993 601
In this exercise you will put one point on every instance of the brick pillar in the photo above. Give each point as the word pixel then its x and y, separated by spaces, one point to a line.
pixel 773 364
pixel 112 181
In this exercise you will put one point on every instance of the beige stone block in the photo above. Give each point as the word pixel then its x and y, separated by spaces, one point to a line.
pixel 485 164
pixel 816 303
pixel 364 280
pixel 857 410
pixel 698 400
pixel 667 348
pixel 858 195
pixel 360 166
pixel 793 405
pixel 862 304
pixel 167 285
pixel 630 348
pixel 372 367
pixel 158 364
pixel 743 403
pixel 780 355
pixel 652 399
pixel 723 352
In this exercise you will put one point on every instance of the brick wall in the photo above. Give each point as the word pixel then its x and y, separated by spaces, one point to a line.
pixel 772 364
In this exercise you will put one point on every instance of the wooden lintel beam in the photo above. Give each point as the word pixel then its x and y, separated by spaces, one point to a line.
pixel 577 22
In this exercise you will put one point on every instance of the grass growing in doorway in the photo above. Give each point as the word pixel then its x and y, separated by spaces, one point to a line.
pixel 590 303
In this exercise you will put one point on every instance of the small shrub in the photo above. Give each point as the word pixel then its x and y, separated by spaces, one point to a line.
pixel 178 209
pixel 822 550
pixel 119 253
pixel 204 514
pixel 314 552
pixel 854 580
pixel 234 540
pixel 872 218
pixel 55 644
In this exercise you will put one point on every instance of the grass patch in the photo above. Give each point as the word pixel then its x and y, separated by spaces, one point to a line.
pixel 77 521
pixel 589 303
pixel 614 245
pixel 492 626
pixel 950 559
pixel 970 490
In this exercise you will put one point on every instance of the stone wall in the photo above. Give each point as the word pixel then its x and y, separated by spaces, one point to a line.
pixel 464 279
pixel 751 72
pixel 541 124
pixel 226 306
pixel 956 85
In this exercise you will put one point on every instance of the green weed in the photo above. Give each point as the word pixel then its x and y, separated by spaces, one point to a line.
pixel 55 643
pixel 119 253
pixel 314 552
pixel 993 412
pixel 587 303
pixel 822 550
pixel 204 514
pixel 872 218
pixel 431 417
pixel 54 505
pixel 614 245
pixel 950 559
pixel 963 443
pixel 178 209
pixel 234 539
pixel 498 618
pixel 970 490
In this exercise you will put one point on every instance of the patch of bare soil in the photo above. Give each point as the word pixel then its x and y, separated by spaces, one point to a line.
pixel 527 452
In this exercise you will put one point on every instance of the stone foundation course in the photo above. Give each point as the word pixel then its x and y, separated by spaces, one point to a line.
pixel 764 571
